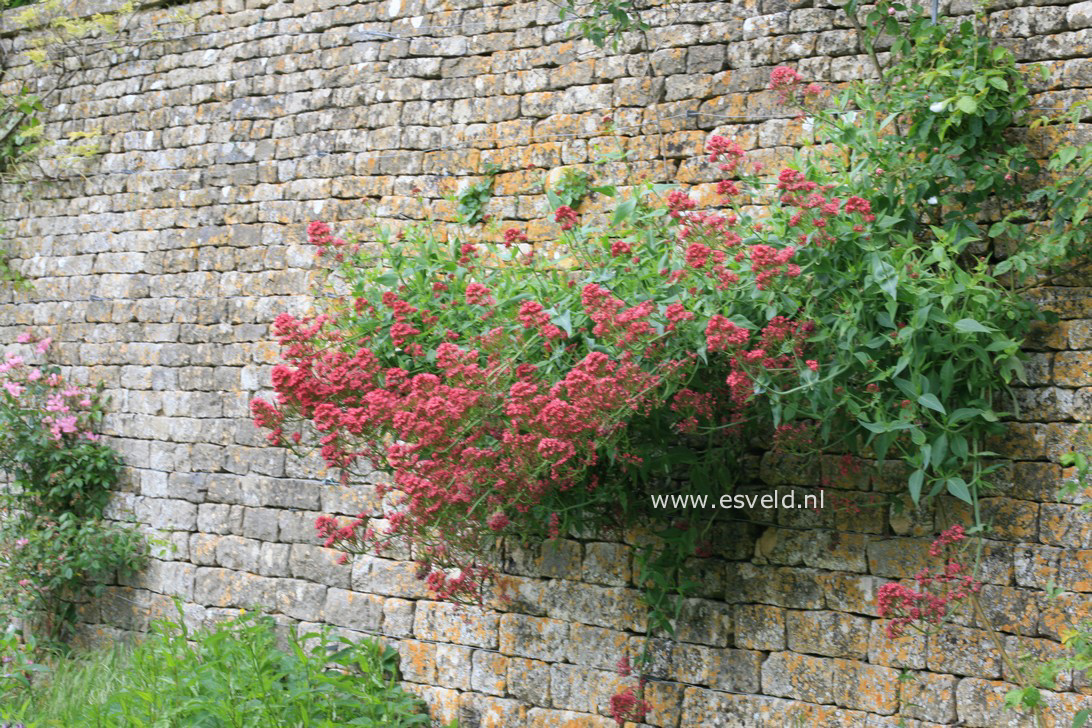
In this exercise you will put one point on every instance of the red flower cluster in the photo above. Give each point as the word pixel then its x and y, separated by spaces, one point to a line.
pixel 566 217
pixel 455 441
pixel 815 209
pixel 626 706
pixel 786 82
pixel 514 236
pixel 620 248
pixel 719 147
pixel 678 202
pixel 938 590
pixel 783 77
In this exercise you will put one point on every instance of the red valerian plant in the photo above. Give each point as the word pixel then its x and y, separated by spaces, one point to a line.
pixel 497 388
pixel 515 392
pixel 938 590
pixel 626 704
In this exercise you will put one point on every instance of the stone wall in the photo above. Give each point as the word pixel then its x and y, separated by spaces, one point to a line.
pixel 159 266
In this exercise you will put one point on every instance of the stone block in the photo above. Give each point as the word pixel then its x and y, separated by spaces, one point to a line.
pixel 353 609
pixel 238 553
pixel 458 624
pixel 529 680
pixel 827 633
pixel 962 651
pixel 319 564
pixel 535 637
pixel 802 677
pixel 491 712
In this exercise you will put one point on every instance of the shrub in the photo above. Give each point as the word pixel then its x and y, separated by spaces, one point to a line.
pixel 56 549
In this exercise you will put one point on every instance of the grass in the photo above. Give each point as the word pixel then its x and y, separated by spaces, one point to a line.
pixel 231 676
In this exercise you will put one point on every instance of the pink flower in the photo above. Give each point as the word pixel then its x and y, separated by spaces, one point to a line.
pixel 21 542
pixel 784 80
pixel 627 706
pixel 25 338
pixel 56 403
pixel 64 425
pixel 566 217
pixel 14 388
pixel 43 345
pixel 720 334
pixel 697 255
pixel 783 77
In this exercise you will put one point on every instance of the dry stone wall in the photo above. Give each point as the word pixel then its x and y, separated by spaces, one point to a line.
pixel 160 265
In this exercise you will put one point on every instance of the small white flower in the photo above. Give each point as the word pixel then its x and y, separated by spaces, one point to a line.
pixel 932 200
pixel 938 107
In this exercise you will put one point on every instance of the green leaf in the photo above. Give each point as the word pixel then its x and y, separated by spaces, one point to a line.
pixel 1081 717
pixel 958 488
pixel 971 326
pixel 964 413
pixel 966 104
pixel 1066 155
pixel 624 210
pixel 931 401
pixel 917 478
pixel 939 450
pixel 564 322
pixel 878 427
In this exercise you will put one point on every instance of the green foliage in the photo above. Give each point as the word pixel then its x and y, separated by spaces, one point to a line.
pixel 473 199
pixel 604 21
pixel 932 146
pixel 21 124
pixel 18 666
pixel 8 274
pixel 232 675
pixel 1082 479
pixel 571 188
pixel 1044 674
